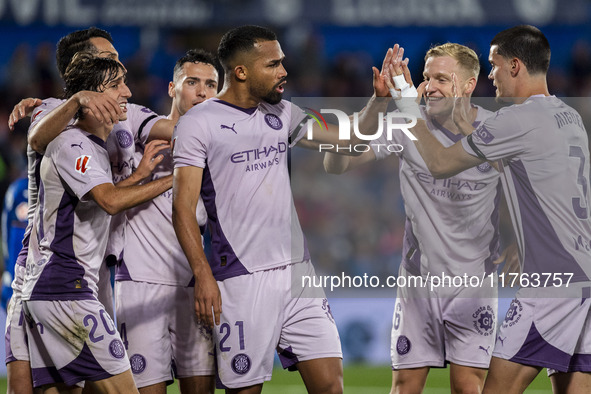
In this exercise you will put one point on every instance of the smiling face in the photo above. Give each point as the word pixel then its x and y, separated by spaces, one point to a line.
pixel 194 83
pixel 117 89
pixel 438 73
pixel 266 74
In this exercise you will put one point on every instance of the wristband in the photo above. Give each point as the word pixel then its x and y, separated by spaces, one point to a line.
pixel 409 106
pixel 410 91
pixel 395 93
pixel 400 82
pixel 406 90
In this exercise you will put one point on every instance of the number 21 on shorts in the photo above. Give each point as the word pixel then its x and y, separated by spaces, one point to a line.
pixel 226 330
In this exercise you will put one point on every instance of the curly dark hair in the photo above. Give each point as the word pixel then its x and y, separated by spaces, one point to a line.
pixel 88 72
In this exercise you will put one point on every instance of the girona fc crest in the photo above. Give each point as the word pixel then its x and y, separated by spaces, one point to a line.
pixel 82 164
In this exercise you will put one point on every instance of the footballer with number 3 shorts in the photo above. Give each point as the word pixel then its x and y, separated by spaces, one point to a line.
pixel 543 151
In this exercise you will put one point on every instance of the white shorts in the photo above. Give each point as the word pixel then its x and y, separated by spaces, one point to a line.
pixel 71 341
pixel 161 333
pixel 260 316
pixel 429 329
pixel 552 332
pixel 15 336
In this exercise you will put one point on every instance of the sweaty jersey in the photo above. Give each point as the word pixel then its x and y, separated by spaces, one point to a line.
pixel 452 224
pixel 69 235
pixel 543 148
pixel 245 188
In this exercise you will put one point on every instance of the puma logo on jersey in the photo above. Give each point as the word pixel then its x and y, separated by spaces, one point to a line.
pixel 223 126
pixel 485 349
pixel 78 145
pixel 82 164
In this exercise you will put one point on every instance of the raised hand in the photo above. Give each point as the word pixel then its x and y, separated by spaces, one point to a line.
pixel 461 107
pixel 400 74
pixel 380 76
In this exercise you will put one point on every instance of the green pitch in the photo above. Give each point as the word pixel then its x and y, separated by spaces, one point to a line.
pixel 362 379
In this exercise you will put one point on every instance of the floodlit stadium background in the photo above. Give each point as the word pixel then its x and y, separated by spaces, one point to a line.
pixel 330 48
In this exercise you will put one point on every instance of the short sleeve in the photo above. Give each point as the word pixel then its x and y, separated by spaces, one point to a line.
pixel 46 107
pixel 297 124
pixel 189 142
pixel 142 119
pixel 81 164
pixel 500 136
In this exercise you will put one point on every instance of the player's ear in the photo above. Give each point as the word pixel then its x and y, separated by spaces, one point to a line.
pixel 171 90
pixel 516 65
pixel 241 72
pixel 470 85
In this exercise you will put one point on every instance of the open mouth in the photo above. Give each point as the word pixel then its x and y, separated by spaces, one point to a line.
pixel 123 106
pixel 280 88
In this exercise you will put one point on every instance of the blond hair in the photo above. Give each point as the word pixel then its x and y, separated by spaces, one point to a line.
pixel 466 57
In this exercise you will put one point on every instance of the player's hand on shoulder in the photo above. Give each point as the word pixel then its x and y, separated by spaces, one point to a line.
pixel 23 109
pixel 104 108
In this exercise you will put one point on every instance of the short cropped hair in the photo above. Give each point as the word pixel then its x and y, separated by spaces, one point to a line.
pixel 194 56
pixel 241 39
pixel 526 43
pixel 466 57
pixel 78 41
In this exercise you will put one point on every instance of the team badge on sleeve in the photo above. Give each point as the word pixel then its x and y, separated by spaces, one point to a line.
pixel 82 164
